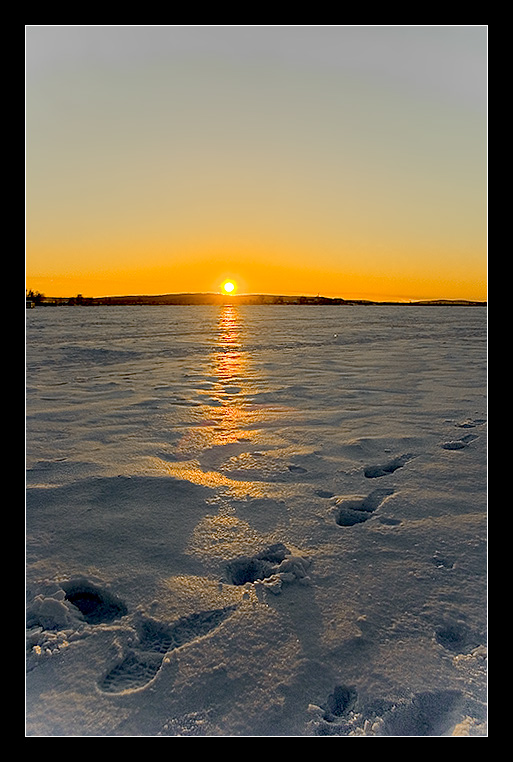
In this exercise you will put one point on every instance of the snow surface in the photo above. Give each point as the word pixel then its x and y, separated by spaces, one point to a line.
pixel 256 521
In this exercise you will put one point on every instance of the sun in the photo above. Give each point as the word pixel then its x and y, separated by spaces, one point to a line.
pixel 228 287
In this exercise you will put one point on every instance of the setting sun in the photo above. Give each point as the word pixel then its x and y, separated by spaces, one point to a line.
pixel 344 209
pixel 228 287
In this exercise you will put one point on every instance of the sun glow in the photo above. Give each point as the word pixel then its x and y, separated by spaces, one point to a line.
pixel 228 287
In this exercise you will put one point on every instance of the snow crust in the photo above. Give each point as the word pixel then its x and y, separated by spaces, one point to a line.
pixel 256 521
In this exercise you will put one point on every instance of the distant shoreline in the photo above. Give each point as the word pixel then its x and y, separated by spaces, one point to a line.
pixel 40 300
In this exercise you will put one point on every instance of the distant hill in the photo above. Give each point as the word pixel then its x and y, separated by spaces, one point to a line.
pixel 197 299
pixel 185 299
pixel 450 302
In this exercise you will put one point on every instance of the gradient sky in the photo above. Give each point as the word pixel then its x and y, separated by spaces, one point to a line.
pixel 342 160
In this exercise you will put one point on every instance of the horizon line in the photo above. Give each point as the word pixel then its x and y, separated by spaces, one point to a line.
pixel 224 296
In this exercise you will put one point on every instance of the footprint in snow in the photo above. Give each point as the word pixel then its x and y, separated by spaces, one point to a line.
pixel 94 603
pixel 351 511
pixel 459 444
pixel 471 423
pixel 324 493
pixel 340 702
pixel 269 568
pixel 425 714
pixel 429 713
pixel 374 472
pixel 456 636
pixel 156 639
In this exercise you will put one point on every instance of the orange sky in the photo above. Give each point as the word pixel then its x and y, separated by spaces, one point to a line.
pixel 345 161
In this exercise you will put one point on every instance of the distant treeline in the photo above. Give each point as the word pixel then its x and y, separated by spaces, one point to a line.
pixel 38 299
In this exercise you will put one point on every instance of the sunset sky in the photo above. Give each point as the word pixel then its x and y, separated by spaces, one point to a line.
pixel 336 160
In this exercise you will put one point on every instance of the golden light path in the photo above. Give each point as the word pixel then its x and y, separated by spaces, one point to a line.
pixel 217 453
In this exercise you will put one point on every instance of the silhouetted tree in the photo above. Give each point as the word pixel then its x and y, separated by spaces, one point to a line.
pixel 35 296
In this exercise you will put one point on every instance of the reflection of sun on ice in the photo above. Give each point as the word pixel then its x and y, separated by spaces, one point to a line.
pixel 228 287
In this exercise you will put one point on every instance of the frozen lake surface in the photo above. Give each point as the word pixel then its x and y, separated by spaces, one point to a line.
pixel 256 521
